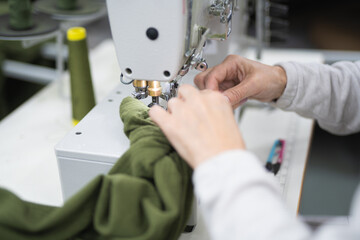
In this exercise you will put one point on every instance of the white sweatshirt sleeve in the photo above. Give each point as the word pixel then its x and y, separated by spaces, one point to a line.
pixel 240 200
pixel 330 94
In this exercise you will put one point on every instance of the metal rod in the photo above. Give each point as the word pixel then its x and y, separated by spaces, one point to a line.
pixel 28 72
pixel 50 51
pixel 259 27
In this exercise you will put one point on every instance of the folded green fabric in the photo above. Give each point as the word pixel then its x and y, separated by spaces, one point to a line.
pixel 147 194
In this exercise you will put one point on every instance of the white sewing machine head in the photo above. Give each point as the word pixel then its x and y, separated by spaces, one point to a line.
pixel 159 40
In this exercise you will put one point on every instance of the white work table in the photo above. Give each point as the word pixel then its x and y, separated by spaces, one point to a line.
pixel 28 165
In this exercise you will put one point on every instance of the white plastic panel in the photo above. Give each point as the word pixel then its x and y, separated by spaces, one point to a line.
pixel 76 174
pixel 99 136
pixel 149 59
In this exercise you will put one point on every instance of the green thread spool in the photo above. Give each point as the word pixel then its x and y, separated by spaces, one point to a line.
pixel 2 59
pixel 20 14
pixel 66 4
pixel 2 80
pixel 82 92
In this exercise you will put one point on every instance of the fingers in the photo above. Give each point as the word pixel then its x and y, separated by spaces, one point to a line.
pixel 240 103
pixel 218 75
pixel 173 104
pixel 238 94
pixel 235 95
pixel 213 77
pixel 214 95
pixel 199 80
pixel 160 117
pixel 187 92
pixel 209 79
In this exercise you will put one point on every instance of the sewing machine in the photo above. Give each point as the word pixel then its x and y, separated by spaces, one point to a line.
pixel 157 43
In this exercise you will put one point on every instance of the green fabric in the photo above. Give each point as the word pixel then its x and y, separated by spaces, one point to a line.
pixel 20 14
pixel 146 195
pixel 82 93
pixel 66 4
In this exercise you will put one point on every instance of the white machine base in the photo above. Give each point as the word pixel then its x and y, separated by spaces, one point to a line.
pixel 94 145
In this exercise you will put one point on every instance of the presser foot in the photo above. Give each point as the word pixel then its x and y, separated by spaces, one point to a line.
pixel 154 101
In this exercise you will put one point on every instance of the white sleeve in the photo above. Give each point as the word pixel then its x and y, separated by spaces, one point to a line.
pixel 330 94
pixel 240 200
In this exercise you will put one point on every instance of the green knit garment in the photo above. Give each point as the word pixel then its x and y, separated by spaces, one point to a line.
pixel 146 195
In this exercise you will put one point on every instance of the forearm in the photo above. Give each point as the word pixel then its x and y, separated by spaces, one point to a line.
pixel 330 94
pixel 240 200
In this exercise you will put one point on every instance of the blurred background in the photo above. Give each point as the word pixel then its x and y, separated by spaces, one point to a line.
pixel 306 24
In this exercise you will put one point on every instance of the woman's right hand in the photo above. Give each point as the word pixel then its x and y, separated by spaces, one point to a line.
pixel 239 78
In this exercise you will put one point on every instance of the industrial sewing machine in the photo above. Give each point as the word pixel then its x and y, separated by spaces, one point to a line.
pixel 157 43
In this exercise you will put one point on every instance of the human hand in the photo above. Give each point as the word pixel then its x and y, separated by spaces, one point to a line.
pixel 239 78
pixel 199 125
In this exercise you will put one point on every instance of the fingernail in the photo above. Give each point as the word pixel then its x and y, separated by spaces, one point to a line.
pixel 151 110
pixel 243 101
pixel 227 98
